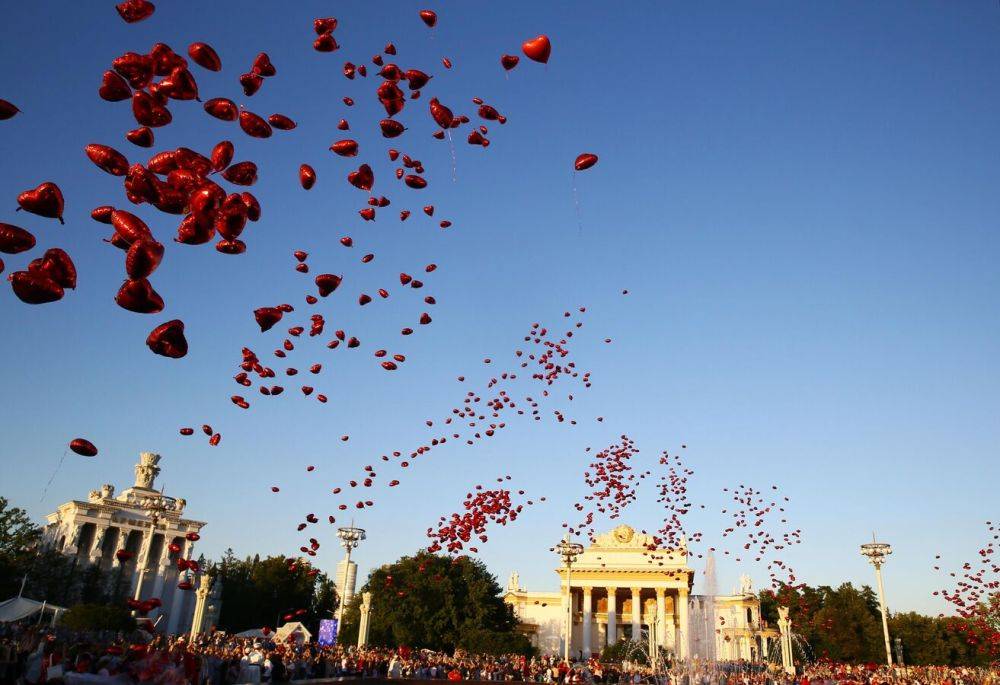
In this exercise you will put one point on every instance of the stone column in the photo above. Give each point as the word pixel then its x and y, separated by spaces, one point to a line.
pixel 142 562
pixel 366 610
pixel 98 547
pixel 661 617
pixel 162 569
pixel 74 531
pixel 118 566
pixel 177 603
pixel 682 623
pixel 612 631
pixel 201 597
pixel 636 613
pixel 785 629
pixel 587 596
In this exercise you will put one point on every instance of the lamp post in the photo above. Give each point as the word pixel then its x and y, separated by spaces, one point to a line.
pixel 568 551
pixel 876 553
pixel 157 508
pixel 350 538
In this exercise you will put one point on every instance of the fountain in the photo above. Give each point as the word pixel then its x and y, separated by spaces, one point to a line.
pixel 784 652
pixel 701 637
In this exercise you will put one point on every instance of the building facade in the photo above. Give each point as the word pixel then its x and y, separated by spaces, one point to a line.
pixel 624 587
pixel 147 524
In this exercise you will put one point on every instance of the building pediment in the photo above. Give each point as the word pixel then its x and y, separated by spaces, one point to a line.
pixel 624 537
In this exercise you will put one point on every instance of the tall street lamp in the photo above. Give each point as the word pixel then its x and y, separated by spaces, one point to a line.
pixel 876 552
pixel 569 551
pixel 350 538
pixel 157 508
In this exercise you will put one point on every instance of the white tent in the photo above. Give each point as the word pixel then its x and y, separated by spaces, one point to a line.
pixel 293 629
pixel 256 632
pixel 20 608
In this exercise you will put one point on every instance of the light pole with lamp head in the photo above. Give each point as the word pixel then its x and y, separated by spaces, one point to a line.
pixel 157 508
pixel 568 551
pixel 350 538
pixel 876 553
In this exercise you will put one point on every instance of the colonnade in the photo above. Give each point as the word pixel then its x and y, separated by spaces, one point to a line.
pixel 670 628
pixel 147 571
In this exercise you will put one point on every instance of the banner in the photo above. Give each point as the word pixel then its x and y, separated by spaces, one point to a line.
pixel 327 632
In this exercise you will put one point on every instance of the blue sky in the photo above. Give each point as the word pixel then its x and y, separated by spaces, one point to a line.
pixel 801 198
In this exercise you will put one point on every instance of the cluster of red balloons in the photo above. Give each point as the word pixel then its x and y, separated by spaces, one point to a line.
pixel 481 508
pixel 753 518
pixel 46 278
pixel 191 185
pixel 975 596
pixel 481 414
pixel 672 491
pixel 214 438
pixel 613 485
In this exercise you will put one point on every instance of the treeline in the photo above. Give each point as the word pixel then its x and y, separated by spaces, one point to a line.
pixel 845 624
pixel 437 602
pixel 258 593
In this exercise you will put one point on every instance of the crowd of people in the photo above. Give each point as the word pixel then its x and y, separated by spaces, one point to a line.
pixel 33 655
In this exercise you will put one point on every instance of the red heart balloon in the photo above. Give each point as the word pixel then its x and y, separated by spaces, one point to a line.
pixel 135 68
pixel 262 65
pixel 429 17
pixel 231 247
pixel 281 122
pixel 142 136
pixel 325 43
pixel 391 128
pixel 14 239
pixel 242 174
pixel 45 200
pixel 180 85
pixel 327 283
pixel 114 88
pixel 363 178
pixel 168 340
pixel 107 159
pixel 7 110
pixel 56 265
pixel 148 112
pixel 585 161
pixel 345 148
pixel 254 125
pixel 130 227
pixel 307 176
pixel 222 108
pixel 205 56
pixel 83 447
pixel 35 287
pixel 537 49
pixel 143 257
pixel 132 11
pixel 138 296
pixel 251 83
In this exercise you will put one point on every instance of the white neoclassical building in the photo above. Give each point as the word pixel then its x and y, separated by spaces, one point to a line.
pixel 622 586
pixel 151 527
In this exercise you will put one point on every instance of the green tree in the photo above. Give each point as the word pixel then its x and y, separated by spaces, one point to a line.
pixel 18 538
pixel 17 532
pixel 261 592
pixel 846 629
pixel 435 602
pixel 930 640
pixel 97 617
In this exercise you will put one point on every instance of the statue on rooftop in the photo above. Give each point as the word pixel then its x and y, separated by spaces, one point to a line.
pixel 147 470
